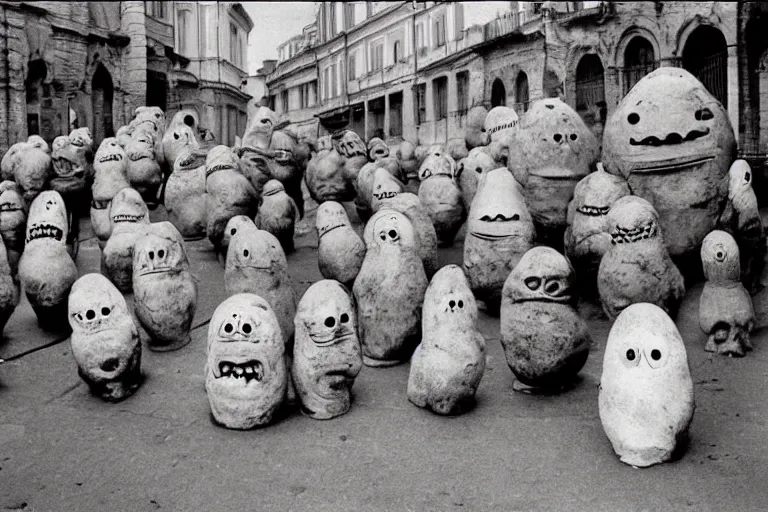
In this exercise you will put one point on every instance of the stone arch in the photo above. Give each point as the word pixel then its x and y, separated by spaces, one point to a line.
pixel 102 95
pixel 705 55
pixel 522 92
pixel 498 93
pixel 36 90
pixel 637 54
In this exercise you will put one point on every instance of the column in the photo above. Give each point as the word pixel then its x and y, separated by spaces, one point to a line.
pixel 452 128
pixel 427 130
pixel 733 89
pixel 386 115
pixel 409 121
pixel 367 131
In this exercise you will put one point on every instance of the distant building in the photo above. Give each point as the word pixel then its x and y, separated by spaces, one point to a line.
pixel 256 85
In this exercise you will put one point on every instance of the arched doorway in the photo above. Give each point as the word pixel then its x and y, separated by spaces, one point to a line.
pixel 590 92
pixel 639 60
pixel 522 97
pixel 498 94
pixel 706 56
pixel 36 90
pixel 102 92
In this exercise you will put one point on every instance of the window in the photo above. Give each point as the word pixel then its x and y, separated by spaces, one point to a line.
pixel 397 52
pixel 332 7
pixel 155 9
pixel 639 60
pixel 326 83
pixel 462 92
pixel 284 100
pixel 352 66
pixel 440 92
pixel 271 102
pixel 420 39
pixel 312 97
pixel 303 95
pixel 183 28
pixel 396 114
pixel 421 103
pixel 235 48
pixel 376 117
pixel 377 55
pixel 349 15
pixel 207 31
pixel 334 82
pixel 439 30
pixel 522 93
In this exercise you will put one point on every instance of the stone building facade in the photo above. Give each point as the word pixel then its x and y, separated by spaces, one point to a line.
pixel 76 64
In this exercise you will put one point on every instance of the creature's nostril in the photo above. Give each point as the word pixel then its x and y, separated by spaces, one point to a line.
pixel 392 233
pixel 110 364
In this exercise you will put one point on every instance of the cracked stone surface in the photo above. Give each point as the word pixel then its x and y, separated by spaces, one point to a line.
pixel 63 449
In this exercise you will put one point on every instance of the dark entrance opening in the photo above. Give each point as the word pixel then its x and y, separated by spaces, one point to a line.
pixel 706 56
pixel 102 92
pixel 498 94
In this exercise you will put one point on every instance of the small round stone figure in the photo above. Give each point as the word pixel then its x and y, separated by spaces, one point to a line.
pixel 256 264
pixel 385 186
pixel 130 218
pixel 499 231
pixel 46 269
pixel 340 250
pixel 105 342
pixel 13 222
pixel 144 171
pixel 110 165
pixel 673 142
pixel 448 365
pixel 234 225
pixel 637 267
pixel 245 374
pixel 326 355
pixel 186 196
pixel 646 398
pixel 165 293
pixel 32 168
pixel 441 197
pixel 409 205
pixel 469 170
pixel 725 307
pixel 501 125
pixel 278 214
pixel 288 164
pixel 545 341
pixel 475 133
pixel 389 290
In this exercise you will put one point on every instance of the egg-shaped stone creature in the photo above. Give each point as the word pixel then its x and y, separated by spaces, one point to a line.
pixel 499 231
pixel 180 135
pixel 234 225
pixel 32 169
pixel 277 214
pixel 475 133
pixel 409 205
pixel 326 355
pixel 340 250
pixel 144 171
pixel 448 364
pixel 288 164
pixel 637 267
pixel 164 291
pixel 130 218
pixel 389 290
pixel 105 341
pixel 646 400
pixel 469 170
pixel 186 196
pixel 13 222
pixel 441 197
pixel 673 142
pixel 111 176
pixel 385 186
pixel 325 176
pixel 545 341
pixel 245 373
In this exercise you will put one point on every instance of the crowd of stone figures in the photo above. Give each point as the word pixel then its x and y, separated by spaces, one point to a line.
pixel 548 218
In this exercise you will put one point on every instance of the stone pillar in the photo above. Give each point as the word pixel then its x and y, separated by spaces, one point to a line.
pixel 367 131
pixel 762 78
pixel 386 115
pixel 132 23
pixel 409 120
pixel 18 59
pixel 452 128
pixel 733 89
pixel 612 88
pixel 427 130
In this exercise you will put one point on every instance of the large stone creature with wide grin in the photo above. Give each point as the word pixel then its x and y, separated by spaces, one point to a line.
pixel 646 399
pixel 46 269
pixel 552 150
pixel 326 355
pixel 499 231
pixel 165 292
pixel 673 143
pixel 111 167
pixel 105 342
pixel 245 374
pixel 69 177
pixel 130 218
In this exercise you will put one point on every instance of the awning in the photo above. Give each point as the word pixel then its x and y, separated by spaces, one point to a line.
pixel 183 77
pixel 334 118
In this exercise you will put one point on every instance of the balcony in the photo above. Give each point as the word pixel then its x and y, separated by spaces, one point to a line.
pixel 508 23
pixel 160 30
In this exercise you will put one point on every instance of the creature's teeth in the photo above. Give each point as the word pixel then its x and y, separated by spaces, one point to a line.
pixel 239 370
pixel 249 369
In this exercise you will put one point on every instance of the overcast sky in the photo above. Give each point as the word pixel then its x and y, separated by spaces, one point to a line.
pixel 274 23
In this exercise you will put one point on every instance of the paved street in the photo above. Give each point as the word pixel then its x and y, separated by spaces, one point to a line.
pixel 62 449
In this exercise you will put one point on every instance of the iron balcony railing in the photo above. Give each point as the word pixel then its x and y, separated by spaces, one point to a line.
pixel 507 23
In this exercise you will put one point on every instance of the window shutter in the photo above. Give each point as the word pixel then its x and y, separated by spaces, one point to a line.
pixel 458 18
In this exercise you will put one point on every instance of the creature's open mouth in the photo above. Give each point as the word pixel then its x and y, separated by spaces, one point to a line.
pixel 67 169
pixel 593 211
pixel 158 270
pixel 256 267
pixel 625 236
pixel 675 165
pixel 485 236
pixel 499 218
pixel 216 168
pixel 327 230
pixel 249 370
pixel 324 340
pixel 125 217
pixel 135 157
pixel 385 195
pixel 45 231
pixel 670 139
pixel 77 143
pixel 116 157
pixel 9 207
pixel 272 192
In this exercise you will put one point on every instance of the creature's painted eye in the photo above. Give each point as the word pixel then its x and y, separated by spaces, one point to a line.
pixel 344 318
pixel 633 118
pixel 532 283
pixel 90 314
pixel 246 253
pixel 233 231
pixel 655 354
pixel 552 287
pixel 461 304
pixel 383 236
pixel 631 355
pixel 452 304
pixel 228 328
pixel 747 177
pixel 574 136
pixel 151 255
pixel 392 233
pixel 479 170
pixel 105 311
pixel 703 114
pixel 160 253
pixel 247 328
pixel 558 137
pixel 176 136
pixel 330 321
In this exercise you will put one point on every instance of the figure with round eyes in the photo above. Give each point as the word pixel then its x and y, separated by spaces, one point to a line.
pixel 469 170
pixel 340 250
pixel 259 128
pixel 637 267
pixel 725 307
pixel 409 205
pixel 588 235
pixel 144 170
pixel 13 222
pixel 256 263
pixel 741 218
pixel 130 217
pixel 441 197
pixel 46 269
pixel 326 355
pixel 475 133
pixel 389 290
pixel 545 341
pixel 245 373
pixel 9 289
pixel 673 143
pixel 448 364
pixel 553 149
pixel 105 342
pixel 365 186
pixel 499 231
pixel 69 173
pixel 152 121
pixel 186 196
pixel 385 186
pixel 229 193
pixel 111 167
pixel 277 214
pixel 164 291
pixel 235 224
pixel 646 398
pixel 180 133
pixel 288 164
